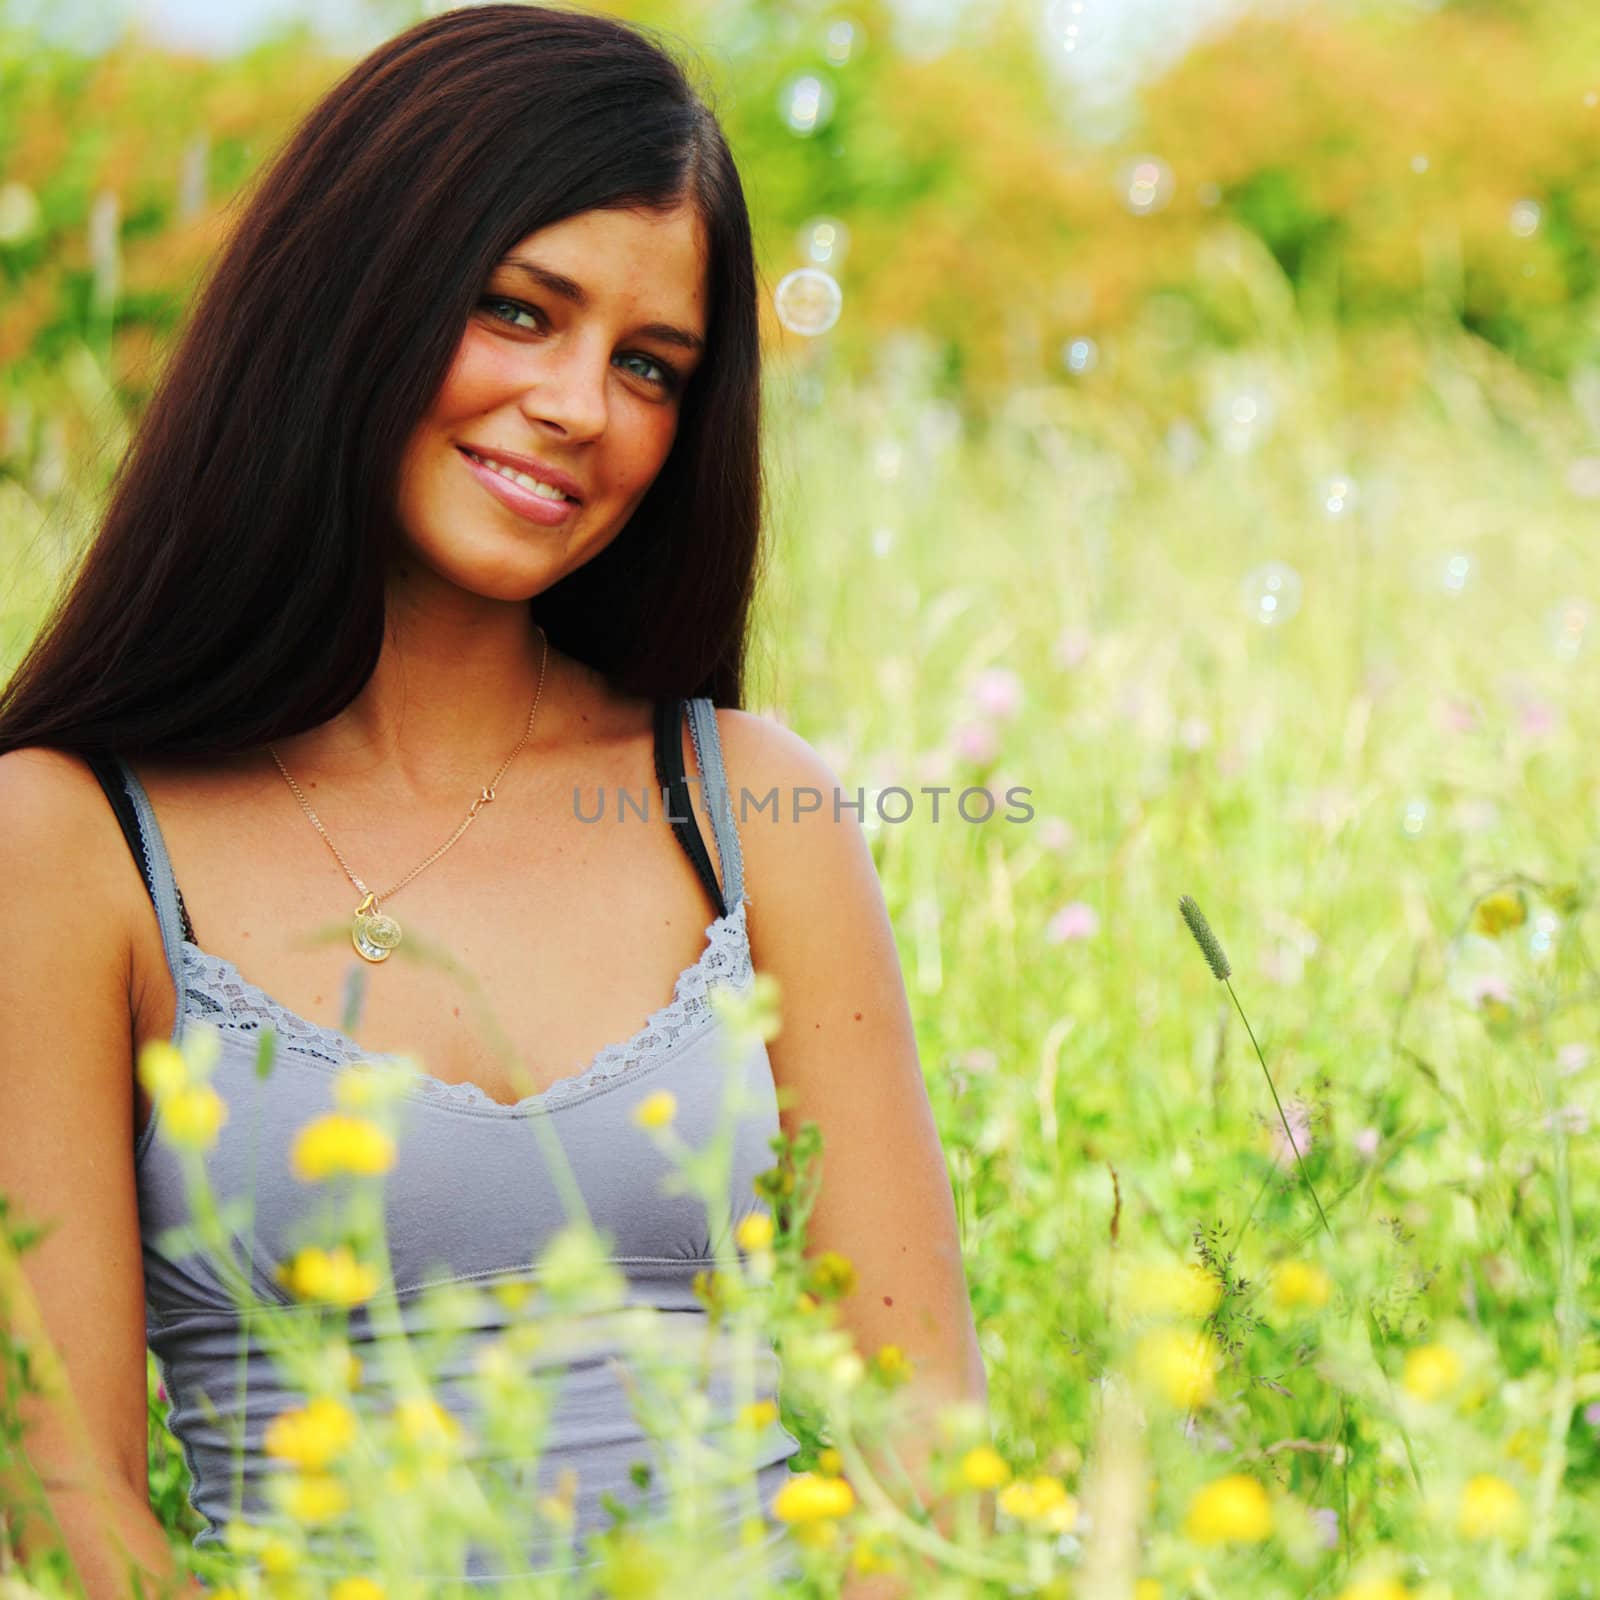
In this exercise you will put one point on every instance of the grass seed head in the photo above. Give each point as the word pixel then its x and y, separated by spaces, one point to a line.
pixel 1210 945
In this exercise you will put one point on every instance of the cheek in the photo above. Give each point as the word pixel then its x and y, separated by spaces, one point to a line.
pixel 481 374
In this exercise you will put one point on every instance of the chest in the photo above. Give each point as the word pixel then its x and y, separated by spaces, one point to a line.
pixel 537 941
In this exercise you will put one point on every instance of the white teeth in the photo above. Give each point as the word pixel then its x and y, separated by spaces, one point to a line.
pixel 544 491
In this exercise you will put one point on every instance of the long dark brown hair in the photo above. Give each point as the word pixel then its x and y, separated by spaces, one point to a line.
pixel 234 592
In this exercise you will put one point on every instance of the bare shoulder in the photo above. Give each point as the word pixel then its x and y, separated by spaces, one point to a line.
pixel 808 868
pixel 761 754
pixel 51 802
pixel 71 883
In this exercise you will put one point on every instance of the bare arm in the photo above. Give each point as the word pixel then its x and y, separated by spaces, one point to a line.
pixel 846 1058
pixel 68 917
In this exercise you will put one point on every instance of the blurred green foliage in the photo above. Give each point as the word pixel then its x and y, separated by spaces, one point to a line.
pixel 1408 169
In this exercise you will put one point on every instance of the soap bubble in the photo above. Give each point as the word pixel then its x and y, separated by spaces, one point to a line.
pixel 1241 418
pixel 887 457
pixel 824 241
pixel 1080 355
pixel 841 41
pixel 1569 624
pixel 1072 24
pixel 1338 496
pixel 806 103
pixel 1419 163
pixel 1455 572
pixel 1525 218
pixel 1146 185
pixel 1413 818
pixel 808 301
pixel 1271 593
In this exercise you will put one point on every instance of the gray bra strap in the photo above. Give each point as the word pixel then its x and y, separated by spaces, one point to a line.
pixel 163 885
pixel 708 757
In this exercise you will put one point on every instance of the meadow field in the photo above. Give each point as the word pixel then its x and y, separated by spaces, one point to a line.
pixel 1285 1281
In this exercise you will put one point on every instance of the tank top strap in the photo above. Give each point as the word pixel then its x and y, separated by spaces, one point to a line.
pixel 158 875
pixel 719 803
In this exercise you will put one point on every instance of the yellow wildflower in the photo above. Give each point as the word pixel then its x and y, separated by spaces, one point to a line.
pixel 560 1507
pixel 1172 1290
pixel 1499 912
pixel 1147 1589
pixel 332 1275
pixel 757 1415
pixel 829 1462
pixel 892 1363
pixel 656 1110
pixel 831 1276
pixel 1043 1500
pixel 755 1232
pixel 278 1556
pixel 716 1291
pixel 1431 1371
pixel 1526 1448
pixel 162 1069
pixel 984 1468
pixel 340 1143
pixel 356 1589
pixel 191 1116
pixel 821 1535
pixel 807 1497
pixel 424 1422
pixel 1300 1283
pixel 1177 1365
pixel 1490 1509
pixel 313 1437
pixel 513 1294
pixel 314 1497
pixel 1375 1589
pixel 869 1555
pixel 554 1509
pixel 1234 1509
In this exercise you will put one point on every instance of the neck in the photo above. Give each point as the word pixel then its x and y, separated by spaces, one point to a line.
pixel 446 703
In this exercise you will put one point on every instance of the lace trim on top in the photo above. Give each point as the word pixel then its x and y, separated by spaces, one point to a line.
pixel 216 992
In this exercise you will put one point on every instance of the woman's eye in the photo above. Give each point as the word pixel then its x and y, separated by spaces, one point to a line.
pixel 510 305
pixel 664 377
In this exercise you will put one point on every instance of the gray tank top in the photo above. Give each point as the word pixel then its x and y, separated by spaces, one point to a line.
pixel 469 1207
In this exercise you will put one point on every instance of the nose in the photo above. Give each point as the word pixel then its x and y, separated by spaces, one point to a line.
pixel 568 393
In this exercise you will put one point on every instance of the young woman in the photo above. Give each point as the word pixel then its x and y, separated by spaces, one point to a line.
pixel 447 509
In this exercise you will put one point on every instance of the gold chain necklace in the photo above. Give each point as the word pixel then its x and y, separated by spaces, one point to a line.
pixel 373 932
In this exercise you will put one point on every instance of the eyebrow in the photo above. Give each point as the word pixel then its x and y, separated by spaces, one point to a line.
pixel 556 283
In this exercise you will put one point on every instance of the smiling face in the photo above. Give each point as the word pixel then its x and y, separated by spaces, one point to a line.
pixel 571 368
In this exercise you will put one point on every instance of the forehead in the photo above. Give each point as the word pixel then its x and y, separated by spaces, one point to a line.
pixel 648 262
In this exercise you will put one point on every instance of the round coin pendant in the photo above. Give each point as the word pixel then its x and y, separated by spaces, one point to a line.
pixel 375 935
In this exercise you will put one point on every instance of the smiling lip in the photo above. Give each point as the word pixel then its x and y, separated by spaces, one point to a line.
pixel 526 504
pixel 542 470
